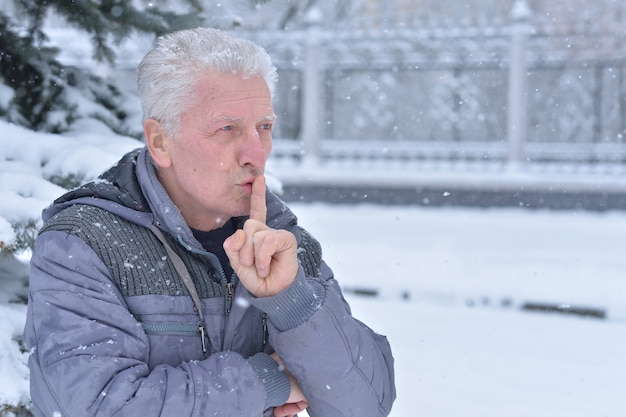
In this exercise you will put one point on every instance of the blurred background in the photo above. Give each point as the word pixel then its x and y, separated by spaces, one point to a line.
pixel 498 102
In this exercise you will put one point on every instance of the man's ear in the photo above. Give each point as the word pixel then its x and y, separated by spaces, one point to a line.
pixel 158 142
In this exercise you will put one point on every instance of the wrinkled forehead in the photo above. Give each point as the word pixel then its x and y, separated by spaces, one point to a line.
pixel 231 99
pixel 211 85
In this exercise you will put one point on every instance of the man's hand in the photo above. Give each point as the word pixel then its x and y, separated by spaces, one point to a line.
pixel 265 259
pixel 296 402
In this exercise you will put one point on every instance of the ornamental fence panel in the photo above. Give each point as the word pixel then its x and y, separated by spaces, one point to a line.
pixel 509 94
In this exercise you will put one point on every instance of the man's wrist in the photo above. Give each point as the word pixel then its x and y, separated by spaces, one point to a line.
pixel 294 305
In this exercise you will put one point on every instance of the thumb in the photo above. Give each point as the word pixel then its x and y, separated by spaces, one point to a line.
pixel 233 244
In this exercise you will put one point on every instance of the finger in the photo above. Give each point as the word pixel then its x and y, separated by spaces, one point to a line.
pixel 264 248
pixel 290 409
pixel 232 246
pixel 251 239
pixel 258 206
pixel 270 244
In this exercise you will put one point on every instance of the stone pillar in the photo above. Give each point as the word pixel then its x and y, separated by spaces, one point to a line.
pixel 312 111
pixel 517 123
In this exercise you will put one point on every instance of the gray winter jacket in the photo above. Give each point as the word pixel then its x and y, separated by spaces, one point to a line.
pixel 113 329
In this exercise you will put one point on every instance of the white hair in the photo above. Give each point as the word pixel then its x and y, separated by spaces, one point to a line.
pixel 167 74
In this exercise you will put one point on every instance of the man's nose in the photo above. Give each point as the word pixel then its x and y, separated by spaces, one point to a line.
pixel 255 149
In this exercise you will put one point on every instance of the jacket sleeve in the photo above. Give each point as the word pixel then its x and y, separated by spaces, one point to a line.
pixel 343 367
pixel 89 356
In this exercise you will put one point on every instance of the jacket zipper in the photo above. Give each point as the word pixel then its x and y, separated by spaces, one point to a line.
pixel 171 328
pixel 178 328
pixel 230 292
pixel 202 330
pixel 229 284
pixel 263 331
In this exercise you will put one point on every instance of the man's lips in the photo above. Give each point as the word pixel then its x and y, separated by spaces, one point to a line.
pixel 247 185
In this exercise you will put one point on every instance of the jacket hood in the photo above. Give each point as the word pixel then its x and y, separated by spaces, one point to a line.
pixel 118 184
pixel 116 190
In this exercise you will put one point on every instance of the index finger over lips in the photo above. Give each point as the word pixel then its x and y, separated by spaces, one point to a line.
pixel 258 206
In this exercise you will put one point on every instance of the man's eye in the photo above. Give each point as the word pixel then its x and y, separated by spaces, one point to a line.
pixel 227 128
pixel 266 126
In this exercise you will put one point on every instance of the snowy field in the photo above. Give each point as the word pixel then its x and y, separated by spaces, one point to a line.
pixel 462 344
pixel 450 285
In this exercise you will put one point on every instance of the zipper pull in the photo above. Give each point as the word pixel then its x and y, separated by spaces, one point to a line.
pixel 202 331
pixel 264 329
pixel 230 292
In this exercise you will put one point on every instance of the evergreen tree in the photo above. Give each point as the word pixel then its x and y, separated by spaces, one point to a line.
pixel 44 90
pixel 36 79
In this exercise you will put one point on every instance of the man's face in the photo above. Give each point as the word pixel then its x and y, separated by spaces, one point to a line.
pixel 222 144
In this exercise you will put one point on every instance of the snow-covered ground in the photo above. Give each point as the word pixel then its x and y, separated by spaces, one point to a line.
pixel 450 285
pixel 462 343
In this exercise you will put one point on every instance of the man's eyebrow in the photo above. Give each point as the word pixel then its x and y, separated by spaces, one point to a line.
pixel 227 119
pixel 268 118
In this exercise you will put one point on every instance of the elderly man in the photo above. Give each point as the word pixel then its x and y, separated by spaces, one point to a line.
pixel 176 285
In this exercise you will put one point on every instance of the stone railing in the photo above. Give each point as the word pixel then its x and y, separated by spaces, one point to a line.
pixel 508 93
